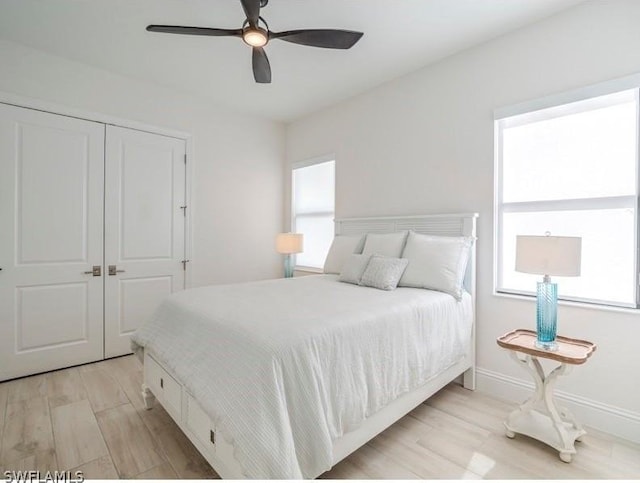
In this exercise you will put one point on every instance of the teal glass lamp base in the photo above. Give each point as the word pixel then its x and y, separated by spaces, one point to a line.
pixel 547 346
pixel 288 266
pixel 547 315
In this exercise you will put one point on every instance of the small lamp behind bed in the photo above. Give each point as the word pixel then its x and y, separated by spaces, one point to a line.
pixel 288 244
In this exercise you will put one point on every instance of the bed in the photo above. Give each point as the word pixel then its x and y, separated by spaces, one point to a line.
pixel 285 378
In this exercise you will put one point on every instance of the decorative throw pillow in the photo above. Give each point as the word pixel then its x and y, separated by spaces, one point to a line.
pixel 436 262
pixel 341 248
pixel 387 244
pixel 383 272
pixel 353 268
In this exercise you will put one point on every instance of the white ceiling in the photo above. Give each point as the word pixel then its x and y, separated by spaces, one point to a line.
pixel 400 36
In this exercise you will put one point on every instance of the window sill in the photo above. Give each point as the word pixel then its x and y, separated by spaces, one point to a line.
pixel 570 303
pixel 308 269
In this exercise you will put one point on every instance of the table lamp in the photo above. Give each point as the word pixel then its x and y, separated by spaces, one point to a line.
pixel 288 244
pixel 548 255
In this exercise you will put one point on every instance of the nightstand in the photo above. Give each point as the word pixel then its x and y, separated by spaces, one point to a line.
pixel 539 417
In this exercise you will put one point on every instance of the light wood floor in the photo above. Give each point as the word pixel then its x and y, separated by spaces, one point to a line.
pixel 91 418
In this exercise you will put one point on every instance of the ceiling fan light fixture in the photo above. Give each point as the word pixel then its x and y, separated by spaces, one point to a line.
pixel 255 32
pixel 255 37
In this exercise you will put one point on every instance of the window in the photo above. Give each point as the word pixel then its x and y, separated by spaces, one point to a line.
pixel 571 170
pixel 313 210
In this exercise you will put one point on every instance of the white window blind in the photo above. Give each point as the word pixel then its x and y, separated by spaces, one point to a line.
pixel 313 211
pixel 571 170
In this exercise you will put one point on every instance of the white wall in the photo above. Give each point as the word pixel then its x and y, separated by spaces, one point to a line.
pixel 424 144
pixel 237 181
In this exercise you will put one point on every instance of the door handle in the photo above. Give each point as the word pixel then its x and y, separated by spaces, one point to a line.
pixel 113 270
pixel 96 271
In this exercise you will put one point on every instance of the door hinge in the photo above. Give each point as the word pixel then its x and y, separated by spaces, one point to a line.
pixel 184 210
pixel 184 264
pixel 185 159
pixel 212 437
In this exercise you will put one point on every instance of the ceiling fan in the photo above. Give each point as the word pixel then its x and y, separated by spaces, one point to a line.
pixel 255 33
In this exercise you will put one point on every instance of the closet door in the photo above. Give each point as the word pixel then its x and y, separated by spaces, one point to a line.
pixel 51 221
pixel 144 229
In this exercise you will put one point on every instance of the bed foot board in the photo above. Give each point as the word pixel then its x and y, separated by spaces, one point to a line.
pixel 148 397
pixel 469 379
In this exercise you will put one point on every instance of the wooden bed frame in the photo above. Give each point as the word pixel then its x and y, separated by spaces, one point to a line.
pixel 160 384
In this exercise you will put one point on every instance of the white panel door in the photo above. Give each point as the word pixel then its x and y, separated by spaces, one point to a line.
pixel 144 229
pixel 51 219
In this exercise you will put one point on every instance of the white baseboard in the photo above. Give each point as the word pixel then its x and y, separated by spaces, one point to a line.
pixel 604 417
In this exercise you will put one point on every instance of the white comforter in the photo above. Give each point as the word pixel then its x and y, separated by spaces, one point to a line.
pixel 284 367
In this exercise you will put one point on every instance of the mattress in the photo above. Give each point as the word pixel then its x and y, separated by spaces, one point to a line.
pixel 285 367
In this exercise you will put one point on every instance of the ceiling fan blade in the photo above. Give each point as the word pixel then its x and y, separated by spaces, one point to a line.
pixel 252 11
pixel 261 67
pixel 325 38
pixel 174 29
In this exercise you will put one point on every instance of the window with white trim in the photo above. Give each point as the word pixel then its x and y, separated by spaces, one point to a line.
pixel 313 209
pixel 572 170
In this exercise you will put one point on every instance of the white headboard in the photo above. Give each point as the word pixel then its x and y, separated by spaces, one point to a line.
pixel 444 225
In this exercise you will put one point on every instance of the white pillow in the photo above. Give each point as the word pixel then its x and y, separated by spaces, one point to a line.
pixel 353 268
pixel 341 248
pixel 387 244
pixel 436 262
pixel 383 272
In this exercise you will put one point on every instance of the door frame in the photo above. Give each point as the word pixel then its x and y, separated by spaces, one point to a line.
pixel 61 110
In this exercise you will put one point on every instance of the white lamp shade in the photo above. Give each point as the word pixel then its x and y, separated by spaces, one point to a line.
pixel 289 243
pixel 549 255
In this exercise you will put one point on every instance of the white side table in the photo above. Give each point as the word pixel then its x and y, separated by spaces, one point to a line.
pixel 539 417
